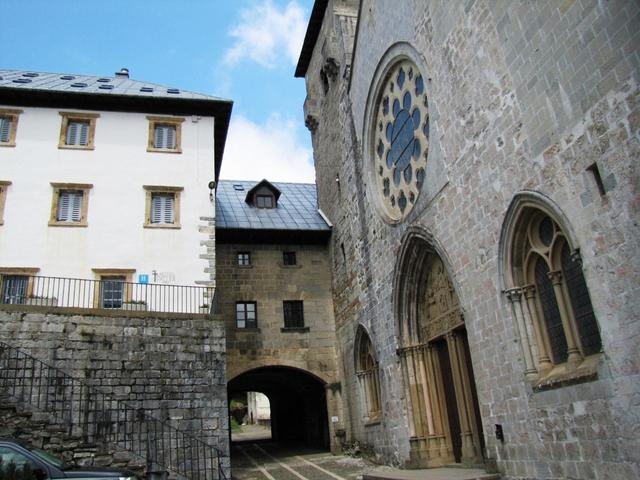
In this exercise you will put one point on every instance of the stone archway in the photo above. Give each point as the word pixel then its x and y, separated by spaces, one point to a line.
pixel 442 406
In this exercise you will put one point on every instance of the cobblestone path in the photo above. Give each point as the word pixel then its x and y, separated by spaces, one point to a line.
pixel 269 461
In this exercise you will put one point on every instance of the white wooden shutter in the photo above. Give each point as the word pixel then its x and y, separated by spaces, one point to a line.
pixel 162 208
pixel 77 133
pixel 165 136
pixel 70 206
pixel 5 129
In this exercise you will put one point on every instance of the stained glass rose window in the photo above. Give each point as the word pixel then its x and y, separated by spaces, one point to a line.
pixel 400 139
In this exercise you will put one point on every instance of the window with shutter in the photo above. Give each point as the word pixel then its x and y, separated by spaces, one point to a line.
pixel 70 206
pixel 165 134
pixel 8 126
pixel 77 130
pixel 5 129
pixel 70 203
pixel 165 137
pixel 162 208
pixel 4 184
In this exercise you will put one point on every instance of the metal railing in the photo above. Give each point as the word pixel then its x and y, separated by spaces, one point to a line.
pixel 112 294
pixel 98 417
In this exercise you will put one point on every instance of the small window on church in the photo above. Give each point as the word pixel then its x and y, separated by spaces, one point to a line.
pixel 264 201
pixel 368 377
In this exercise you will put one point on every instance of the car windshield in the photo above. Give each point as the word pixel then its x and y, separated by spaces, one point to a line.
pixel 47 457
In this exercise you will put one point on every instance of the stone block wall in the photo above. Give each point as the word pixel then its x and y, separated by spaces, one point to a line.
pixel 172 368
pixel 515 105
pixel 268 282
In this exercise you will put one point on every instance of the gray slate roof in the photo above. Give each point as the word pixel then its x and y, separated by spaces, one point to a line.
pixel 69 83
pixel 297 208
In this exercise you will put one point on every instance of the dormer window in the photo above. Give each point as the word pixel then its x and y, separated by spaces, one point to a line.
pixel 264 201
pixel 263 195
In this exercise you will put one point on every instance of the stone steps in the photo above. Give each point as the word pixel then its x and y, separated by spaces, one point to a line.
pixel 442 473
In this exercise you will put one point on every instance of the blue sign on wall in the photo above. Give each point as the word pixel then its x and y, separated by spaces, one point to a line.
pixel 143 278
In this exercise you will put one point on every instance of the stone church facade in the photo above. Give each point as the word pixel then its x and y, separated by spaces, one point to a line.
pixel 478 161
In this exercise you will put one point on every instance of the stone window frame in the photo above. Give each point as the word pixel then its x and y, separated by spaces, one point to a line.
pixel 4 187
pixel 290 311
pixel 102 274
pixel 61 187
pixel 67 117
pixel 255 312
pixel 520 249
pixel 164 121
pixel 289 258
pixel 367 372
pixel 13 115
pixel 243 259
pixel 29 272
pixel 150 190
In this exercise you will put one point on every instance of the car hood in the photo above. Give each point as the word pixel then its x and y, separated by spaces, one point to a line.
pixel 83 472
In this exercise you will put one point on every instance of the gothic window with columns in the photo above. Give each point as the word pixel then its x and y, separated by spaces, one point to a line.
pixel 557 326
pixel 368 377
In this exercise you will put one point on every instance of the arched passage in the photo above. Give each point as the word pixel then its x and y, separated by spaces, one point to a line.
pixel 442 406
pixel 298 403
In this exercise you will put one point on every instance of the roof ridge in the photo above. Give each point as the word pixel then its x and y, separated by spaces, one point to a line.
pixel 112 77
pixel 274 182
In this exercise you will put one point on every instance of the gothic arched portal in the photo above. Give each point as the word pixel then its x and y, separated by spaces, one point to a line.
pixel 442 405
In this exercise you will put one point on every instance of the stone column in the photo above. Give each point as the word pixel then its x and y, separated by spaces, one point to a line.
pixel 443 446
pixel 514 295
pixel 404 367
pixel 464 400
pixel 573 352
pixel 544 361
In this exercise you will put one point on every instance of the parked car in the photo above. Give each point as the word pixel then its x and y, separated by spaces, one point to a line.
pixel 20 462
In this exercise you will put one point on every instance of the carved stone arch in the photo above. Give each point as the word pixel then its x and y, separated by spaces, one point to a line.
pixel 521 202
pixel 541 273
pixel 363 335
pixel 442 409
pixel 417 245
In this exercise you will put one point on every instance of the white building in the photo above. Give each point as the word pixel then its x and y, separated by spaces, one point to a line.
pixel 107 178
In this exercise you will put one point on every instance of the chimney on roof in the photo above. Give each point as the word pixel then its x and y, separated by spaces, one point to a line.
pixel 123 73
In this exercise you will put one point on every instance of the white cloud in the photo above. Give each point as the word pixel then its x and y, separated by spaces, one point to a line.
pixel 266 34
pixel 270 150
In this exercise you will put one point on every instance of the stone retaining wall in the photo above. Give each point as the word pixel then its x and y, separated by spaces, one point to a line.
pixel 173 368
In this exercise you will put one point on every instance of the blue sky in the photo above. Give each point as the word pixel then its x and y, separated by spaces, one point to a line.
pixel 244 50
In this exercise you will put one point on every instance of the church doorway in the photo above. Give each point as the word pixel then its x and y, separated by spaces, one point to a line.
pixel 437 374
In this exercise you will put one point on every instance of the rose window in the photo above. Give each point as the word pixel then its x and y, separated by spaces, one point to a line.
pixel 401 139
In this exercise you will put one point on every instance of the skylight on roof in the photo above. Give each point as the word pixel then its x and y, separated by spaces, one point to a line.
pixel 103 80
pixel 173 90
pixel 238 187
pixel 67 77
pixel 22 80
pixel 30 74
pixel 146 89
pixel 106 87
pixel 79 84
